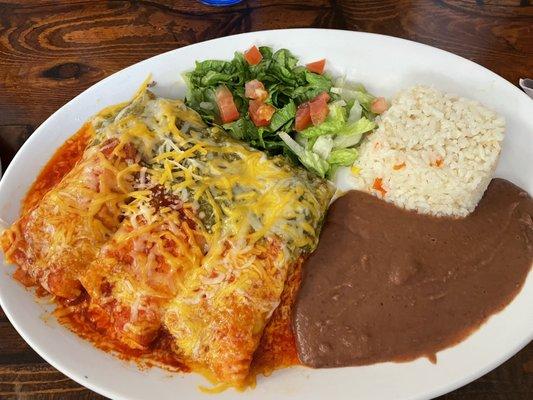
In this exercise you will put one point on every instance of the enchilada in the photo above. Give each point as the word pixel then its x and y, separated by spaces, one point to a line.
pixel 180 244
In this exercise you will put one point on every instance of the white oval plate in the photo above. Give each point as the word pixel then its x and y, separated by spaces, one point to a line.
pixel 385 65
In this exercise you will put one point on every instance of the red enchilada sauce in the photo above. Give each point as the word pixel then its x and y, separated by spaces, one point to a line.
pixel 386 284
pixel 55 169
pixel 58 166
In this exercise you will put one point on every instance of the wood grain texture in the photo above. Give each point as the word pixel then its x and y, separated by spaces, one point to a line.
pixel 52 50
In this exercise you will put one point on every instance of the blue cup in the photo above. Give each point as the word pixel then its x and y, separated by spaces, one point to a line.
pixel 220 3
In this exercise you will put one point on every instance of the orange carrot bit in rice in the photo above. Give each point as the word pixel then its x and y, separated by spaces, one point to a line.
pixel 438 163
pixel 378 185
pixel 398 166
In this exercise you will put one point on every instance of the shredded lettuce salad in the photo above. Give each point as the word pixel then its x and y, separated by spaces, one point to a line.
pixel 329 138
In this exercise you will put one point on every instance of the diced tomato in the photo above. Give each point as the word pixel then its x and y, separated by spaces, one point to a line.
pixel 323 96
pixel 226 105
pixel 317 66
pixel 379 105
pixel 378 185
pixel 303 117
pixel 260 113
pixel 253 56
pixel 312 112
pixel 255 90
pixel 318 108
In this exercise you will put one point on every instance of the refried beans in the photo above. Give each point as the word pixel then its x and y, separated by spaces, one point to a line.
pixel 386 284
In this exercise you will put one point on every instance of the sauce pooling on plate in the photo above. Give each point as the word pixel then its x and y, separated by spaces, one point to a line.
pixel 386 284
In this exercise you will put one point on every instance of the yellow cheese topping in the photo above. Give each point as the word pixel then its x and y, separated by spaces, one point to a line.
pixel 252 215
pixel 237 193
pixel 224 220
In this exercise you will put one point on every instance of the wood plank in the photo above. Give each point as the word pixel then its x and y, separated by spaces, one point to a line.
pixel 39 382
pixel 50 52
pixel 499 40
pixel 12 137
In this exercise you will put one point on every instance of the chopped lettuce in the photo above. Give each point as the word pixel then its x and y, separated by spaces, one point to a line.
pixel 311 160
pixel 322 148
pixel 283 116
pixel 344 141
pixel 362 125
pixel 287 84
pixel 239 129
pixel 355 93
pixel 335 121
pixel 364 98
pixel 356 111
pixel 351 134
pixel 343 157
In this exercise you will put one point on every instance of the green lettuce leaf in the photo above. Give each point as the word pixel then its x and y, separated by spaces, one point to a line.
pixel 309 159
pixel 242 129
pixel 351 134
pixel 335 121
pixel 356 111
pixel 283 116
pixel 343 157
pixel 323 146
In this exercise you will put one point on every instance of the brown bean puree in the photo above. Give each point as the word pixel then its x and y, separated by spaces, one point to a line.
pixel 386 284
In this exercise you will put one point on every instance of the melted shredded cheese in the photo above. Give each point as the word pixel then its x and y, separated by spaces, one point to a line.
pixel 209 228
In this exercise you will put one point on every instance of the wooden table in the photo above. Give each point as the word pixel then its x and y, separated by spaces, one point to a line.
pixel 52 50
